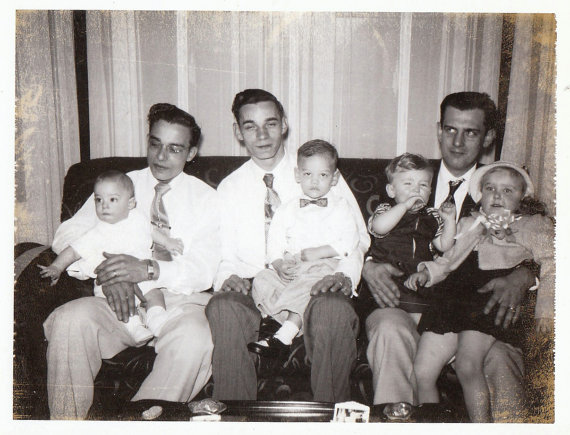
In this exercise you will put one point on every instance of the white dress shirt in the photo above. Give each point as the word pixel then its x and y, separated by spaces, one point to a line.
pixel 193 214
pixel 242 195
pixel 442 186
pixel 295 228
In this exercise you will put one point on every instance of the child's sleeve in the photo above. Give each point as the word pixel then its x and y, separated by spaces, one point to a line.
pixel 465 242
pixel 345 230
pixel 381 209
pixel 88 248
pixel 539 239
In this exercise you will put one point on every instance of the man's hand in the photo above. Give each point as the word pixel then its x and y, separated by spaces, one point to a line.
pixel 121 299
pixel 236 284
pixel 121 268
pixel 508 292
pixel 378 276
pixel 333 283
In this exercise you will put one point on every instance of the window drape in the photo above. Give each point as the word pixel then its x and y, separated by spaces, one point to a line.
pixel 370 83
pixel 530 125
pixel 47 136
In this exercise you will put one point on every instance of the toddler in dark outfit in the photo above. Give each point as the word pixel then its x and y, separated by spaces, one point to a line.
pixel 406 231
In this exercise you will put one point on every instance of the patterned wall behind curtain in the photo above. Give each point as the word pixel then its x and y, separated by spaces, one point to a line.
pixel 369 82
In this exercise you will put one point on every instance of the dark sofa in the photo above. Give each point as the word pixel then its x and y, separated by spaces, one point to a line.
pixel 120 377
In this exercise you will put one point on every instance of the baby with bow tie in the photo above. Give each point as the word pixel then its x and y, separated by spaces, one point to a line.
pixel 307 237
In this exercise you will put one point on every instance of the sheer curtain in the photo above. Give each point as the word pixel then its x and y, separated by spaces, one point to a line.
pixel 47 136
pixel 371 83
pixel 530 127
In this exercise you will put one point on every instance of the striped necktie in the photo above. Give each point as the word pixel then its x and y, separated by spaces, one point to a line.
pixel 159 221
pixel 271 203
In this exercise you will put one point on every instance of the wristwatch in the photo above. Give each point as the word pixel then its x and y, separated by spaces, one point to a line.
pixel 150 270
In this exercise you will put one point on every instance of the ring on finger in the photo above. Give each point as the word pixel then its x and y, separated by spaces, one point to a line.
pixel 512 308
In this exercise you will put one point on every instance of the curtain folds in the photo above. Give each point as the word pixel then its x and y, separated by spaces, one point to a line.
pixel 47 136
pixel 530 138
pixel 370 83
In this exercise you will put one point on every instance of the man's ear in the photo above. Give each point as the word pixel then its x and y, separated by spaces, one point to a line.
pixel 390 190
pixel 237 132
pixel 335 177
pixel 192 153
pixel 297 175
pixel 489 138
pixel 284 126
pixel 132 203
pixel 439 132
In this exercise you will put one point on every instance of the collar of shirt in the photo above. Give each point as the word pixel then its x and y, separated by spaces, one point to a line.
pixel 174 183
pixel 442 186
pixel 284 182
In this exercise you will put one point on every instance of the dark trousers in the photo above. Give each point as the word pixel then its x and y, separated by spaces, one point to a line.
pixel 331 328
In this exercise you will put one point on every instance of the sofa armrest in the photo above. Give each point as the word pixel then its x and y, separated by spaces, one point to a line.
pixel 34 300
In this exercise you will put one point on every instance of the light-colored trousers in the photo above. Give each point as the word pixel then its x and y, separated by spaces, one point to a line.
pixel 85 331
pixel 393 342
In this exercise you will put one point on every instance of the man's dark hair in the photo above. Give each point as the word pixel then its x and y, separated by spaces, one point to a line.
pixel 407 162
pixel 253 96
pixel 470 101
pixel 318 147
pixel 174 115
pixel 117 177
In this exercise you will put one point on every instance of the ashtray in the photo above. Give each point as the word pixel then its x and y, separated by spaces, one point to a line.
pixel 398 411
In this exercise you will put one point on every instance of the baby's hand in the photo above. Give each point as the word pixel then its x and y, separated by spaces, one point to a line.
pixel 414 202
pixel 286 269
pixel 175 246
pixel 51 272
pixel 415 279
pixel 544 325
pixel 447 211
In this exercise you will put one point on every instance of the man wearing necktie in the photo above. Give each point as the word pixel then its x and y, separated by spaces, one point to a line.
pixel 466 129
pixel 83 332
pixel 250 198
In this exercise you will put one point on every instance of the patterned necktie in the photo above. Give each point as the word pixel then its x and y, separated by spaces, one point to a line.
pixel 159 221
pixel 272 201
pixel 453 186
pixel 321 202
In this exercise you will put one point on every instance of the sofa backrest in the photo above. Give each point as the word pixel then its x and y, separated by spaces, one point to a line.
pixel 365 177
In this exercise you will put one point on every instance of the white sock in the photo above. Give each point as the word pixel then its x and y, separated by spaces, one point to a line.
pixel 287 332
pixel 156 317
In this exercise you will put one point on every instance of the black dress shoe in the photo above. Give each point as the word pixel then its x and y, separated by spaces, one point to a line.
pixel 275 349
pixel 268 327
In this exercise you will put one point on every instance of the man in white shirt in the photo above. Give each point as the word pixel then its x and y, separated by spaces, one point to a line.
pixel 466 129
pixel 84 331
pixel 331 325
